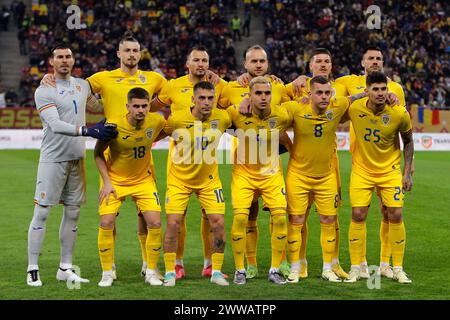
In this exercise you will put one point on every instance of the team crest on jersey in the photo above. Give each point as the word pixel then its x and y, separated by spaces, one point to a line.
pixel 214 124
pixel 149 133
pixel 142 78
pixel 78 88
pixel 131 81
pixel 272 123
pixel 386 119
pixel 329 114
pixel 43 195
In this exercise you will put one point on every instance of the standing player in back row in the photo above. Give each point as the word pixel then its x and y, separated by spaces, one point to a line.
pixel 376 164
pixel 60 175
pixel 113 87
pixel 372 60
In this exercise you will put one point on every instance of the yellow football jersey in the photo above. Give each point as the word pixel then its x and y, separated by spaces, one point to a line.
pixel 314 144
pixel 178 93
pixel 129 156
pixel 114 85
pixel 339 90
pixel 377 143
pixel 193 156
pixel 256 155
pixel 354 84
pixel 233 94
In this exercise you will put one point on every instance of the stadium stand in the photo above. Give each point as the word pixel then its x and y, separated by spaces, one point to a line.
pixel 414 39
pixel 167 29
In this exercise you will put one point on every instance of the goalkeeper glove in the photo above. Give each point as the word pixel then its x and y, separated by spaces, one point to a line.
pixel 100 130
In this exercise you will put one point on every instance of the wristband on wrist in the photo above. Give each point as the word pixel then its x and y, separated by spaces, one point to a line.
pixel 82 131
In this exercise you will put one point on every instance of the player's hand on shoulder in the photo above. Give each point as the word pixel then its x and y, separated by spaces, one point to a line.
pixel 48 80
pixel 275 78
pixel 243 79
pixel 304 100
pixel 300 85
pixel 212 77
pixel 101 130
pixel 392 99
pixel 244 106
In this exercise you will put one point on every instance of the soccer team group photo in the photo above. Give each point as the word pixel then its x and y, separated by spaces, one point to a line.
pixel 276 163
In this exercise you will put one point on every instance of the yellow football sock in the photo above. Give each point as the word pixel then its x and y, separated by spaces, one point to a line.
pixel 385 254
pixel 327 241
pixel 252 241
pixel 397 239
pixel 206 237
pixel 114 243
pixel 105 248
pixel 217 261
pixel 283 255
pixel 181 238
pixel 294 241
pixel 304 234
pixel 238 239
pixel 279 237
pixel 364 248
pixel 356 239
pixel 169 261
pixel 142 241
pixel 153 247
pixel 336 246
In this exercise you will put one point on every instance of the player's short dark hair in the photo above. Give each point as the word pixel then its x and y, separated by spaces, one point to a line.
pixel 137 93
pixel 58 47
pixel 372 48
pixel 317 51
pixel 203 85
pixel 128 36
pixel 375 77
pixel 318 79
pixel 254 47
pixel 196 48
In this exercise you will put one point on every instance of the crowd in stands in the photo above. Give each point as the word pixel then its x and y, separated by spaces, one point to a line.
pixel 165 29
pixel 414 38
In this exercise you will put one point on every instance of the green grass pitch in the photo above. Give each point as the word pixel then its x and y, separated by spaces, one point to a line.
pixel 427 219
